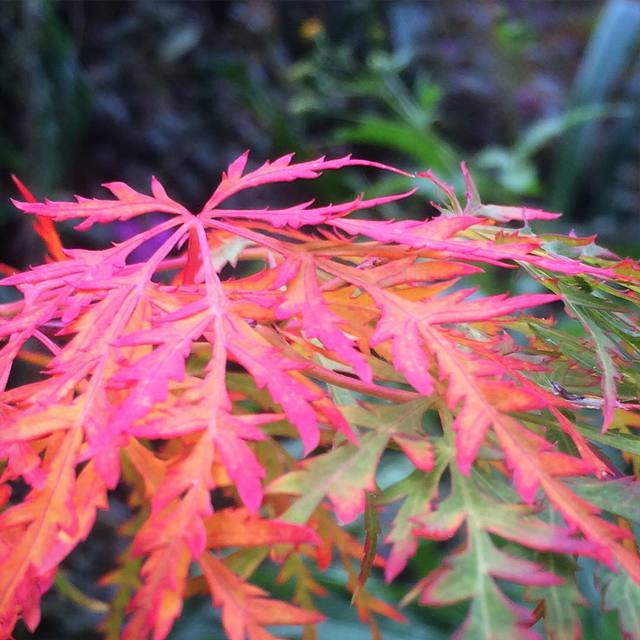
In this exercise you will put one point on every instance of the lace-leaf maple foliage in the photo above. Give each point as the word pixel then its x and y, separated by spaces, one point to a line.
pixel 360 338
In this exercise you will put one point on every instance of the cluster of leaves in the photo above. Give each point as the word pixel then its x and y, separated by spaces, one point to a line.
pixel 355 336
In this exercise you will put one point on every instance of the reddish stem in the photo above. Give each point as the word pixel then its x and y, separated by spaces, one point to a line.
pixel 193 259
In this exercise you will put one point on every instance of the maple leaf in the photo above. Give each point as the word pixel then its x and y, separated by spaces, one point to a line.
pixel 621 594
pixel 418 490
pixel 238 527
pixel 128 204
pixel 471 571
pixel 245 608
pixel 188 386
pixel 318 320
pixel 346 472
pixel 558 602
pixel 280 170
pixel 39 532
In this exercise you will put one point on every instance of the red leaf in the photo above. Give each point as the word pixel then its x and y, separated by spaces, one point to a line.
pixel 280 170
pixel 247 609
pixel 128 204
pixel 321 338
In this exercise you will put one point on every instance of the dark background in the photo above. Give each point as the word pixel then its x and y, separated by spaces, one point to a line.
pixel 109 90
pixel 540 98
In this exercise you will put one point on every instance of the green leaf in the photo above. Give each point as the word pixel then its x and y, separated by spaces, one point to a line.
pixel 622 441
pixel 402 424
pixel 492 615
pixel 471 572
pixel 570 346
pixel 544 131
pixel 604 346
pixel 343 475
pixel 424 146
pixel 561 619
pixel 620 496
pixel 418 490
pixel 622 595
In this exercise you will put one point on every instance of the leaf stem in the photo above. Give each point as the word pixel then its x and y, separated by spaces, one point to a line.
pixel 67 589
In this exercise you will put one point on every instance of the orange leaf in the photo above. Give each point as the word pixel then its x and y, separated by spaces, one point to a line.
pixel 246 609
